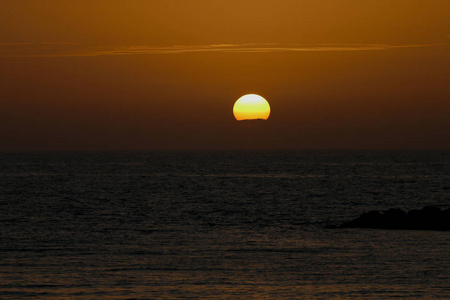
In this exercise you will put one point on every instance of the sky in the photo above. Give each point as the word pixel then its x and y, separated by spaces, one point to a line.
pixel 164 75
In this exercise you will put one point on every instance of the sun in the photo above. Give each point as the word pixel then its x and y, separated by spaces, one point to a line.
pixel 251 107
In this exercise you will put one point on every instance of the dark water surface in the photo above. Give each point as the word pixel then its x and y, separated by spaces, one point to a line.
pixel 230 225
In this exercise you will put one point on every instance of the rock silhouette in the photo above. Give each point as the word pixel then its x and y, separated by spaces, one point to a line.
pixel 427 218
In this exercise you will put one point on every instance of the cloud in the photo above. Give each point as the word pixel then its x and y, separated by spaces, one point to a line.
pixel 14 44
pixel 58 43
pixel 68 49
pixel 248 48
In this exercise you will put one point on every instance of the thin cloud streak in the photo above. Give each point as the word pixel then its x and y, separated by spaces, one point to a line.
pixel 250 48
pixel 67 49
pixel 14 44
pixel 58 43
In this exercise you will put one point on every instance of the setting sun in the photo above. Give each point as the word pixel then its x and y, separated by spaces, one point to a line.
pixel 251 107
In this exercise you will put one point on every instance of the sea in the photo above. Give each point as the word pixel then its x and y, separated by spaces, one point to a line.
pixel 219 225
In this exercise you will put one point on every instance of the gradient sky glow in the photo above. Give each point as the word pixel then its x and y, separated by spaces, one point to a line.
pixel 144 74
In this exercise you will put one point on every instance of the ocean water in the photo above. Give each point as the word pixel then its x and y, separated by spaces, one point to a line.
pixel 219 225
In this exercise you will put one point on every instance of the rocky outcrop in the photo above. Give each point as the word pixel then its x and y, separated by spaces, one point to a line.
pixel 427 218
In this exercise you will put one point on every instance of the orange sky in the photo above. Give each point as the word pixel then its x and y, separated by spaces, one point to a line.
pixel 136 74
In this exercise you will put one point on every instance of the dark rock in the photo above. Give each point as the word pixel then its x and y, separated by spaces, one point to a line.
pixel 427 218
pixel 446 212
pixel 366 220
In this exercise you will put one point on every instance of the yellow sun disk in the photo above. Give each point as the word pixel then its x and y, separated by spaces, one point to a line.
pixel 251 107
